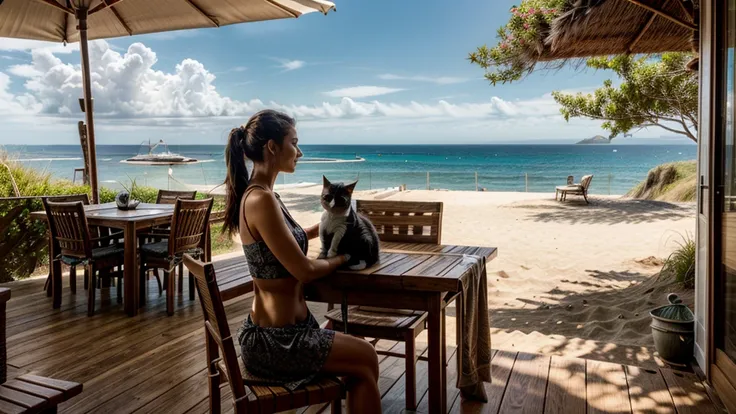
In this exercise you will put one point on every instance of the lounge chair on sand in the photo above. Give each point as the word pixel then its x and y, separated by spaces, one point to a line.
pixel 575 189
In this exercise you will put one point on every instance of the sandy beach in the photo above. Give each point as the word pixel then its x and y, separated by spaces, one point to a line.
pixel 570 279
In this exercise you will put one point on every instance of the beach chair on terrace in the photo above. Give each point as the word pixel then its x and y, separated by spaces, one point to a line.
pixel 575 189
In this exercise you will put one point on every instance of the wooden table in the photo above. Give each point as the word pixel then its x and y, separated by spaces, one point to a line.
pixel 130 221
pixel 422 277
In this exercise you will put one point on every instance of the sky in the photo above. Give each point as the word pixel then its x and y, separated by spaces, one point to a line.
pixel 373 72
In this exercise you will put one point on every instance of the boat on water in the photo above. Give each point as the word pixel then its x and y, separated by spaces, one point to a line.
pixel 158 158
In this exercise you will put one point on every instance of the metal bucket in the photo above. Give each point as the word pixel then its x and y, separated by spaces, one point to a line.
pixel 673 331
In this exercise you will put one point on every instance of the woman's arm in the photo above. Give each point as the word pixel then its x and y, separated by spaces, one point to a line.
pixel 312 231
pixel 265 215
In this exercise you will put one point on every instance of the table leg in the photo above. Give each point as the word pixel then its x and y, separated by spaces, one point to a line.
pixel 56 284
pixel 130 271
pixel 49 284
pixel 437 392
pixel 208 245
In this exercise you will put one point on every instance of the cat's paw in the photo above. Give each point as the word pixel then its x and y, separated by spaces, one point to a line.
pixel 331 254
pixel 322 255
pixel 359 266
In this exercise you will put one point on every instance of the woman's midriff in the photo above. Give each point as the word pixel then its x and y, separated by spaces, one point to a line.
pixel 278 303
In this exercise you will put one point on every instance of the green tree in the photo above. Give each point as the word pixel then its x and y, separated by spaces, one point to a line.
pixel 654 91
pixel 520 41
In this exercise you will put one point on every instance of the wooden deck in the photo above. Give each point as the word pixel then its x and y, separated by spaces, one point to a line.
pixel 153 363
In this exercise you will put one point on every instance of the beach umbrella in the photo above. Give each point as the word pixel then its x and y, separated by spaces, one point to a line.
pixel 82 20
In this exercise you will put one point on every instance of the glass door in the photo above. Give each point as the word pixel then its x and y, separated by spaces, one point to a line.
pixel 723 373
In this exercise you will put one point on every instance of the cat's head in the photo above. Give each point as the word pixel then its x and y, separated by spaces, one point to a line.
pixel 336 197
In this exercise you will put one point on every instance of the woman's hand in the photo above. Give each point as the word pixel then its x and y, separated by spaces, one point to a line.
pixel 312 231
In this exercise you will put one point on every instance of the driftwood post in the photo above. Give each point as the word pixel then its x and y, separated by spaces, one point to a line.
pixel 85 151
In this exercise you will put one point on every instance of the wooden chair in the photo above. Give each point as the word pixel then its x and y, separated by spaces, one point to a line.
pixel 84 198
pixel 187 234
pixel 405 222
pixel 29 393
pixel 168 197
pixel 575 189
pixel 68 224
pixel 223 361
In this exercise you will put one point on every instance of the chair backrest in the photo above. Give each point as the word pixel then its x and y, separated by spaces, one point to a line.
pixel 217 331
pixel 585 181
pixel 68 225
pixel 189 225
pixel 169 196
pixel 84 198
pixel 404 221
pixel 570 180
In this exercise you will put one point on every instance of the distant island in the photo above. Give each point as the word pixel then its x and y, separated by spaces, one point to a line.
pixel 598 139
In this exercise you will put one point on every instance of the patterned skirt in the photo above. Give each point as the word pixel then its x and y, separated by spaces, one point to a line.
pixel 290 356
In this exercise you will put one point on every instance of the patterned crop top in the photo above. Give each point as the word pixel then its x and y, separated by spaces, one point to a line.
pixel 261 261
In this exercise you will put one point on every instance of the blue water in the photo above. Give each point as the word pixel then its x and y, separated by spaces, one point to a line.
pixel 616 168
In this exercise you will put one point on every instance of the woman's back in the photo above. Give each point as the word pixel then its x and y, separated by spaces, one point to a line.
pixel 279 299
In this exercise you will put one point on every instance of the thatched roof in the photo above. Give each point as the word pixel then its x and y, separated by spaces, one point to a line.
pixel 606 27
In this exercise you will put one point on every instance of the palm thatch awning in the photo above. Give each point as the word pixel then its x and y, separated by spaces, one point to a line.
pixel 588 28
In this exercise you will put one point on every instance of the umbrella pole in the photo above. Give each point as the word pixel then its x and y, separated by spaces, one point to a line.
pixel 87 86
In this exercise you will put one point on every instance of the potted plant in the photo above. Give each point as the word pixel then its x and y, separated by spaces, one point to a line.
pixel 124 199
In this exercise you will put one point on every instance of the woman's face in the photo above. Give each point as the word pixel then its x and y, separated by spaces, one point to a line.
pixel 288 153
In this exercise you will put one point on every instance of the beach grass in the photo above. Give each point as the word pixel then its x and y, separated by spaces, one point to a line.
pixel 675 181
pixel 681 263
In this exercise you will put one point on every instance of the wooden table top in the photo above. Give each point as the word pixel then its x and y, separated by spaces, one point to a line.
pixel 489 253
pixel 426 271
pixel 402 266
pixel 110 211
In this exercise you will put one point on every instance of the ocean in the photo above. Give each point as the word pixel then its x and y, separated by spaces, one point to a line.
pixel 534 168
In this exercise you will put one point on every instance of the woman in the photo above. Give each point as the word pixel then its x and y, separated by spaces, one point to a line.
pixel 280 339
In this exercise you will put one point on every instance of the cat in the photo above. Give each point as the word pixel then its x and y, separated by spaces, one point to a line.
pixel 343 230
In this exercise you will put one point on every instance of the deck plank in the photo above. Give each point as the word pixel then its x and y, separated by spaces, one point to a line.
pixel 688 393
pixel 566 386
pixel 648 391
pixel 527 385
pixel 606 388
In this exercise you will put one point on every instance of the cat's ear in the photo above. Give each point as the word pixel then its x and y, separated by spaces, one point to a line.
pixel 351 186
pixel 325 181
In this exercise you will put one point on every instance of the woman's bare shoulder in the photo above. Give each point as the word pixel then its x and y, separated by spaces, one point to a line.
pixel 260 202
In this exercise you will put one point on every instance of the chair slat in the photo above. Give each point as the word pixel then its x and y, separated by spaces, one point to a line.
pixel 402 221
pixel 170 196
pixel 52 395
pixel 29 401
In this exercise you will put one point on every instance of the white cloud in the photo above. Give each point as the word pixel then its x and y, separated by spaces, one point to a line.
pixel 12 105
pixel 440 80
pixel 130 91
pixel 25 71
pixel 361 92
pixel 289 65
pixel 9 44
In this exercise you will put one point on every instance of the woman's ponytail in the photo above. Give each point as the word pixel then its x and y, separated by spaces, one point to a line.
pixel 249 141
pixel 237 179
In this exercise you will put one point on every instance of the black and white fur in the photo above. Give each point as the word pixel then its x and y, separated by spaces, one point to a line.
pixel 343 230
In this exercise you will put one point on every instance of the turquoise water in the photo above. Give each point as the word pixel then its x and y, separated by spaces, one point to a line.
pixel 616 168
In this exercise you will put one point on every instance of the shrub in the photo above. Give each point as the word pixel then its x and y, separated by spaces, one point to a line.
pixel 24 245
pixel 675 181
pixel 681 263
